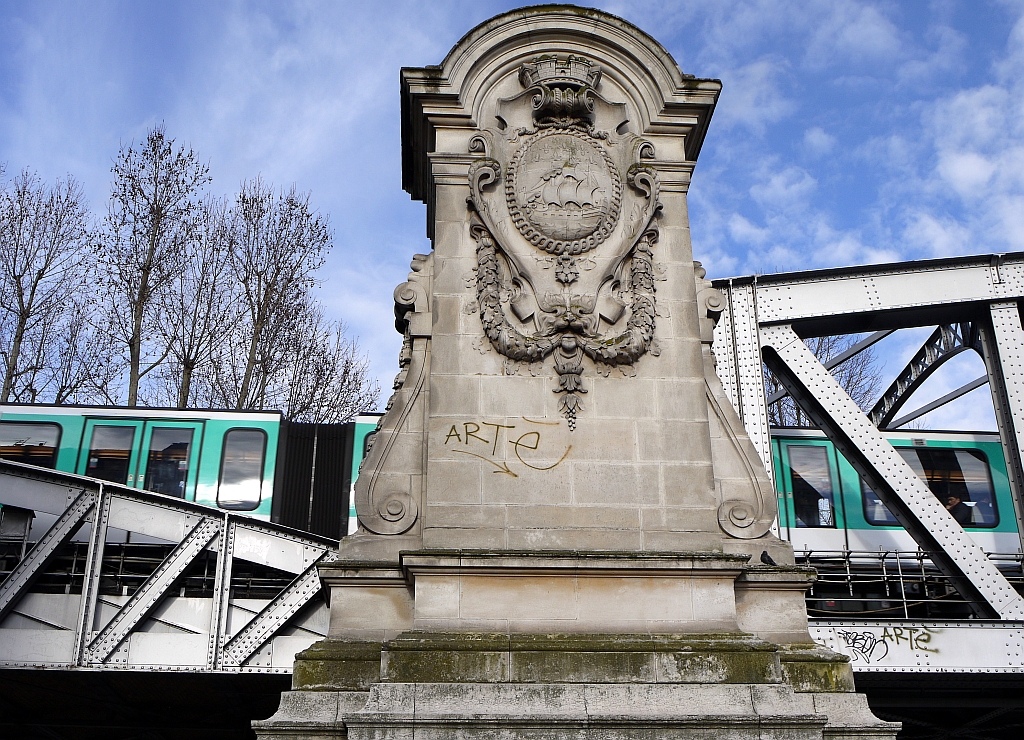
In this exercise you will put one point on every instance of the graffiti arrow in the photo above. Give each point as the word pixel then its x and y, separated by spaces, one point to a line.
pixel 501 467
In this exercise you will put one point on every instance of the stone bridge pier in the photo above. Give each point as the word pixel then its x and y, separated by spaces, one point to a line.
pixel 564 530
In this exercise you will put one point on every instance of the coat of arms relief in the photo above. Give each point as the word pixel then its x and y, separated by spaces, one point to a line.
pixel 565 213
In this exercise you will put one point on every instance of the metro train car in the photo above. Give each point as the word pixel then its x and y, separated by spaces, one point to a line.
pixel 255 463
pixel 824 505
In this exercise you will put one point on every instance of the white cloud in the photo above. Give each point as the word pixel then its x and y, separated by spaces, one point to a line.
pixel 755 97
pixel 817 142
pixel 939 237
pixel 785 189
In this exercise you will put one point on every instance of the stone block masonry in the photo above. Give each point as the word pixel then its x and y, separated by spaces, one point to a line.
pixel 561 519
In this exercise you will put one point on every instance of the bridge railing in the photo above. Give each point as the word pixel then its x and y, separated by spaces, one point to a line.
pixel 182 599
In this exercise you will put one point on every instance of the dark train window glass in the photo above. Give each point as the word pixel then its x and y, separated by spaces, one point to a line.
pixel 31 442
pixel 960 479
pixel 813 500
pixel 241 469
pixel 875 511
pixel 167 464
pixel 110 453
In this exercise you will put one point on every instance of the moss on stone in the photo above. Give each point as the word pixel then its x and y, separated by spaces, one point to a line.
pixel 813 668
pixel 337 665
pixel 580 658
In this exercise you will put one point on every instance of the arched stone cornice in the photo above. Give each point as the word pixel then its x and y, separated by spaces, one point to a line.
pixel 442 105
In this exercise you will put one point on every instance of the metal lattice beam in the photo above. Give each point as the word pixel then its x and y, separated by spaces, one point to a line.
pixel 255 634
pixel 945 343
pixel 64 635
pixel 895 482
pixel 25 572
pixel 149 594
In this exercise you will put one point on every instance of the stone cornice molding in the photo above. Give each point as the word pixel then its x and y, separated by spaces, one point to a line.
pixel 452 95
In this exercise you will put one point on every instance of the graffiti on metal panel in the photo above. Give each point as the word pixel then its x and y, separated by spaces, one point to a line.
pixel 489 441
pixel 868 646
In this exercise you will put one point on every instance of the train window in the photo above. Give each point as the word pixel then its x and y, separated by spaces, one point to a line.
pixel 30 442
pixel 875 511
pixel 110 453
pixel 167 464
pixel 813 500
pixel 241 469
pixel 960 479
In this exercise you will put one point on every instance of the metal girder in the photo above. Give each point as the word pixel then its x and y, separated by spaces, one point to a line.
pixel 30 567
pixel 738 363
pixel 842 357
pixel 906 496
pixel 149 594
pixel 945 343
pixel 933 646
pixel 938 402
pixel 1003 350
pixel 78 500
pixel 884 295
pixel 282 608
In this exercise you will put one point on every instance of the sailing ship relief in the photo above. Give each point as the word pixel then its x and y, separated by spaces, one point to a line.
pixel 565 187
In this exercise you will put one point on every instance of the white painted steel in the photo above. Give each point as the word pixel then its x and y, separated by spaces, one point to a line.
pixel 748 380
pixel 918 499
pixel 901 286
pixel 925 647
pixel 150 593
pixel 14 586
pixel 155 628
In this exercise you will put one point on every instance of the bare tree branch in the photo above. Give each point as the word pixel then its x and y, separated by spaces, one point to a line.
pixel 147 235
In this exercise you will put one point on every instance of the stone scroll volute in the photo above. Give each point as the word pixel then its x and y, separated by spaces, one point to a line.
pixel 387 498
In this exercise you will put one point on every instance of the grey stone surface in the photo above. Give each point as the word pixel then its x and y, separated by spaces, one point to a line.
pixel 561 516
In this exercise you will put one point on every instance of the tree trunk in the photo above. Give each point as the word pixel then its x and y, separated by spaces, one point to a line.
pixel 15 356
pixel 186 383
pixel 250 366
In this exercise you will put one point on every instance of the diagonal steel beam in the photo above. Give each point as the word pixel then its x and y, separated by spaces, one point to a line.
pixel 274 615
pixel 938 402
pixel 908 498
pixel 152 591
pixel 32 565
pixel 839 359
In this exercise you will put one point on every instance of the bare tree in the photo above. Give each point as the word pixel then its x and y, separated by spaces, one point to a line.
pixel 860 376
pixel 278 245
pixel 150 223
pixel 42 246
pixel 200 307
pixel 326 379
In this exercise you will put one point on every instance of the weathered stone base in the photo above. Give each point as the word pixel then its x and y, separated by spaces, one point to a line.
pixel 514 711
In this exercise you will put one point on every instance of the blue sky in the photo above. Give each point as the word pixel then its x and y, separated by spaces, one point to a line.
pixel 848 132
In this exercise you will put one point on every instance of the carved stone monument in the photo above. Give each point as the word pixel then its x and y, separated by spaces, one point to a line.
pixel 563 528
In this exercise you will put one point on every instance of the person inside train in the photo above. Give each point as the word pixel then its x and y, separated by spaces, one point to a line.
pixel 960 511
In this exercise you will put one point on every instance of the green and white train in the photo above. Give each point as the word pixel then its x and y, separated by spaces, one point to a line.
pixel 251 462
pixel 301 475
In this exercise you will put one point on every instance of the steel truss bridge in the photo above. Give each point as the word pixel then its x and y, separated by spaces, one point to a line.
pixel 208 593
pixel 218 593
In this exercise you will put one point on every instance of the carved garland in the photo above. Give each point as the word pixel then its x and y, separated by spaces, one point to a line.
pixel 622 349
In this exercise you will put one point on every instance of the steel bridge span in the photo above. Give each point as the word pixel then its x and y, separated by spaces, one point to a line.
pixel 165 603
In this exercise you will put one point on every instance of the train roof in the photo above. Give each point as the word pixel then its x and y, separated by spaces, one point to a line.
pixel 944 435
pixel 136 412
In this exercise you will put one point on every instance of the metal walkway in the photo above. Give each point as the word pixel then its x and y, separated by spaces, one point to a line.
pixel 78 600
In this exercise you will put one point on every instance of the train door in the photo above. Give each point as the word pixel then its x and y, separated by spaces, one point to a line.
pixel 812 498
pixel 169 461
pixel 110 450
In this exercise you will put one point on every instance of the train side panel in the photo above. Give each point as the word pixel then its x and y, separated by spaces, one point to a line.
pixel 823 505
